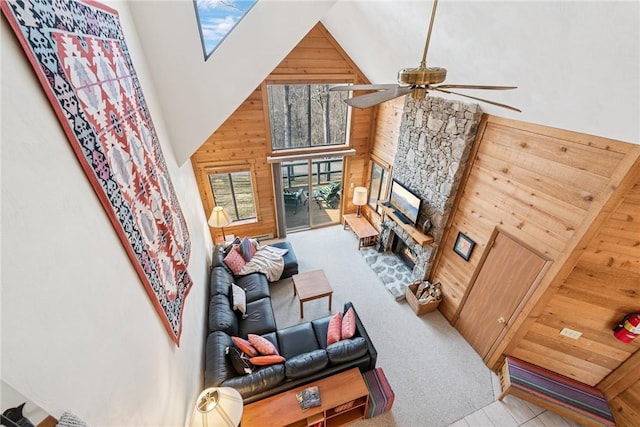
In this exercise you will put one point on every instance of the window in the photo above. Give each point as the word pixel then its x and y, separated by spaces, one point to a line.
pixel 306 115
pixel 217 18
pixel 234 192
pixel 378 184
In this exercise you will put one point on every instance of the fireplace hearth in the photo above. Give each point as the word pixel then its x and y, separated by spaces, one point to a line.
pixel 404 252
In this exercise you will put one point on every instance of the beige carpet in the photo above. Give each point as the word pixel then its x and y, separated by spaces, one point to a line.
pixel 436 376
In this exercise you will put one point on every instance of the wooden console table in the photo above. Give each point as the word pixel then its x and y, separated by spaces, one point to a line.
pixel 367 234
pixel 344 398
pixel 418 236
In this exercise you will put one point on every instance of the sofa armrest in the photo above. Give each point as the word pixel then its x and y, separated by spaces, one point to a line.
pixel 361 331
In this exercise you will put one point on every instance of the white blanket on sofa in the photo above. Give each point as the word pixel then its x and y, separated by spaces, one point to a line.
pixel 267 260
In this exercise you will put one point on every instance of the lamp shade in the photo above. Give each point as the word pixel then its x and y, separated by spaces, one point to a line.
pixel 219 218
pixel 217 406
pixel 360 196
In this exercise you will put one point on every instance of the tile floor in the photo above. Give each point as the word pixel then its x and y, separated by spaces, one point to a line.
pixel 512 412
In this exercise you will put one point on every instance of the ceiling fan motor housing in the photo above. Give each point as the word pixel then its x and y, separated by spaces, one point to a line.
pixel 421 76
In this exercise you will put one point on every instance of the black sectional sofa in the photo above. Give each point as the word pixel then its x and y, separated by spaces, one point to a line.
pixel 304 346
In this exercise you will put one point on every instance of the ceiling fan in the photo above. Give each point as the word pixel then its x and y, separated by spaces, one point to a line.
pixel 417 82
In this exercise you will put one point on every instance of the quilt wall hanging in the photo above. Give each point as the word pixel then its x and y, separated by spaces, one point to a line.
pixel 80 56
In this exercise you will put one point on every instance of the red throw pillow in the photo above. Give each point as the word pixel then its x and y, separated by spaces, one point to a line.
pixel 234 260
pixel 263 345
pixel 267 360
pixel 244 346
pixel 334 330
pixel 349 324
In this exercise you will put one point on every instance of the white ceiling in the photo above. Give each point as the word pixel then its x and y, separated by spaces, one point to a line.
pixel 576 63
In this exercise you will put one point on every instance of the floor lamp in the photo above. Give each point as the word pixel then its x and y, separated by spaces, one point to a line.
pixel 217 406
pixel 359 198
pixel 219 219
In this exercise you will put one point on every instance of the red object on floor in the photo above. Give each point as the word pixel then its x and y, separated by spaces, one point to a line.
pixel 381 395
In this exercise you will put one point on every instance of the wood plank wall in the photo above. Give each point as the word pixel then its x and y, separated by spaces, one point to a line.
pixel 544 187
pixel 244 138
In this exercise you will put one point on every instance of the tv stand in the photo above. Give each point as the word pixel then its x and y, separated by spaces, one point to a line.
pixel 418 236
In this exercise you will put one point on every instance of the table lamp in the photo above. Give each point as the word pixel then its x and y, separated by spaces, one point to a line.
pixel 217 406
pixel 219 219
pixel 359 198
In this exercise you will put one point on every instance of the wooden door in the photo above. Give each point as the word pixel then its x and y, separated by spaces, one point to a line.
pixel 508 275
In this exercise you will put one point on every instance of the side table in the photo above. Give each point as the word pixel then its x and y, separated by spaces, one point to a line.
pixel 367 234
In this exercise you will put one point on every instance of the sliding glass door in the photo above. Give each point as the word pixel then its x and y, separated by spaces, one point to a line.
pixel 312 192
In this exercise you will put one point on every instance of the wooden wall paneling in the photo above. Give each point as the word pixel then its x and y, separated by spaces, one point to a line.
pixel 622 378
pixel 537 184
pixel 246 134
pixel 387 129
pixel 575 313
pixel 626 407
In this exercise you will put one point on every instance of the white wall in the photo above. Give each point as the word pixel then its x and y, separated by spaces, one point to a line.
pixel 576 63
pixel 79 332
pixel 198 96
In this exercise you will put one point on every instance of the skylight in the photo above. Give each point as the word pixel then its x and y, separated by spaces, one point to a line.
pixel 216 19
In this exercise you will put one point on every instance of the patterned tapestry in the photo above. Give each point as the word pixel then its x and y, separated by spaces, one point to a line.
pixel 79 54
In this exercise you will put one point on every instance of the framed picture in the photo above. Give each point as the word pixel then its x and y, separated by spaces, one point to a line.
pixel 464 246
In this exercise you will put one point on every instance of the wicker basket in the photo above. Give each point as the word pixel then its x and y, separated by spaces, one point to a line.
pixel 418 307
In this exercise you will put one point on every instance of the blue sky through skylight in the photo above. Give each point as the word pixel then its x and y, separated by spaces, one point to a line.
pixel 217 18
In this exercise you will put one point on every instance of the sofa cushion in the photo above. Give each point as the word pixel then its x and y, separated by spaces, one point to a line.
pixel 218 366
pixel 334 331
pixel 306 364
pixel 260 319
pixel 244 346
pixel 247 248
pixel 255 285
pixel 320 327
pixel 348 324
pixel 267 360
pixel 262 379
pixel 263 345
pixel 220 281
pixel 221 315
pixel 234 260
pixel 290 260
pixel 239 300
pixel 297 339
pixel 346 350
pixel 240 361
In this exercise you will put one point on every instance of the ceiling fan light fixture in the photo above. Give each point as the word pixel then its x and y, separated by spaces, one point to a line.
pixel 421 76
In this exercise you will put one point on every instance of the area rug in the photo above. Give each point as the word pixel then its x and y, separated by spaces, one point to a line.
pixel 392 272
pixel 79 54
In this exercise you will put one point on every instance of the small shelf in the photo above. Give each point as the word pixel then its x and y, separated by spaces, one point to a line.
pixel 418 236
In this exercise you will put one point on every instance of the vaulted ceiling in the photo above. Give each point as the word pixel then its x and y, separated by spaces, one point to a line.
pixel 576 63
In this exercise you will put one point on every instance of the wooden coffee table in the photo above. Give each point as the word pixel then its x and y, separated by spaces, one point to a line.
pixel 311 285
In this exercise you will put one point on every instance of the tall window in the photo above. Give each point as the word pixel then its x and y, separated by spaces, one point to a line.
pixel 379 184
pixel 306 115
pixel 234 192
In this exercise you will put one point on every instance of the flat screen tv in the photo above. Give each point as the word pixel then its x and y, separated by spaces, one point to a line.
pixel 405 202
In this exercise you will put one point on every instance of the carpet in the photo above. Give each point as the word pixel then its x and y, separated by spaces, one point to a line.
pixel 436 376
pixel 80 56
pixel 392 272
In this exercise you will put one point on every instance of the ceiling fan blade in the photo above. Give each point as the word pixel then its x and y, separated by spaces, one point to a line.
pixel 475 87
pixel 371 99
pixel 478 99
pixel 364 87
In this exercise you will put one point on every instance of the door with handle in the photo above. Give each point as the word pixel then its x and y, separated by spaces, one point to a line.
pixel 507 277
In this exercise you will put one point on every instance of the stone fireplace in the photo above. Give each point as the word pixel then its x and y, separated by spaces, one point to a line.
pixel 436 136
pixel 403 251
